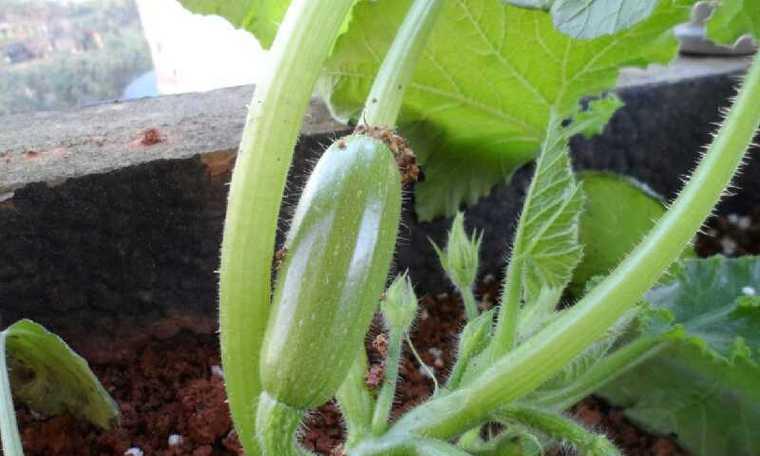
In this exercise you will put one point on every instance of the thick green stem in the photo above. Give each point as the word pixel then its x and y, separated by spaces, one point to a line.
pixel 505 334
pixel 384 100
pixel 276 427
pixel 560 428
pixel 274 120
pixel 355 401
pixel 8 426
pixel 388 391
pixel 470 304
pixel 605 371
pixel 543 355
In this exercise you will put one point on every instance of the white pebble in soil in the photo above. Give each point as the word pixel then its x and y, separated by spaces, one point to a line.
pixel 749 291
pixel 437 357
pixel 216 371
pixel 728 246
pixel 134 452
pixel 744 222
pixel 175 440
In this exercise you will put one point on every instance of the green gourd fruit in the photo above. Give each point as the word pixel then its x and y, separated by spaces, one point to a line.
pixel 336 259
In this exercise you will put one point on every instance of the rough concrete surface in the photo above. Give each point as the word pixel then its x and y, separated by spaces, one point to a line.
pixel 112 215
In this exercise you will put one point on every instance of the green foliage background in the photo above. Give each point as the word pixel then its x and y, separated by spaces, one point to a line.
pixel 63 79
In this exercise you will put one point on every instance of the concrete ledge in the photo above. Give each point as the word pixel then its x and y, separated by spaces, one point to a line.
pixel 112 215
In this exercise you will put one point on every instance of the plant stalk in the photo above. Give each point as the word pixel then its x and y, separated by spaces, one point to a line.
pixel 8 426
pixel 544 354
pixel 605 371
pixel 560 428
pixel 505 334
pixel 388 391
pixel 356 402
pixel 276 427
pixel 470 303
pixel 274 119
pixel 384 101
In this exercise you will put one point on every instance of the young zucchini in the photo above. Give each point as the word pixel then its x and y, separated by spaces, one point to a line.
pixel 338 253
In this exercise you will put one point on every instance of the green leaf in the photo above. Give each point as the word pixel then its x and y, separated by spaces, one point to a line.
pixel 260 17
pixel 619 211
pixel 711 304
pixel 705 388
pixel 51 378
pixel 546 243
pixel 588 19
pixel 732 19
pixel 711 407
pixel 545 250
pixel 617 215
pixel 480 100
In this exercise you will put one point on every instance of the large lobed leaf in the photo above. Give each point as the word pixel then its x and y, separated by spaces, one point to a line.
pixel 260 17
pixel 705 388
pixel 734 18
pixel 593 18
pixel 712 304
pixel 618 213
pixel 51 378
pixel 482 93
pixel 712 408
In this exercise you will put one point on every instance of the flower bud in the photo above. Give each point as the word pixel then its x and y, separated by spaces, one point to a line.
pixel 460 258
pixel 400 304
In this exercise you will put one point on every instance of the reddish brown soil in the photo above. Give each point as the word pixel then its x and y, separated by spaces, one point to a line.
pixel 172 390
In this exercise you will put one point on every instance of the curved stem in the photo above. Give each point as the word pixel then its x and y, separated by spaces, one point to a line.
pixel 8 426
pixel 388 391
pixel 544 354
pixel 605 371
pixel 258 180
pixel 356 402
pixel 276 427
pixel 560 428
pixel 384 100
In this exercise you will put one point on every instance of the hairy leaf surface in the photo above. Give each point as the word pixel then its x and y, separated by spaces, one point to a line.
pixel 546 243
pixel 593 18
pixel 705 388
pixel 712 407
pixel 546 246
pixel 712 304
pixel 52 379
pixel 480 100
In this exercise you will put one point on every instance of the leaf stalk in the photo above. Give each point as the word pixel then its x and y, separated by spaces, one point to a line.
pixel 544 354
pixel 274 119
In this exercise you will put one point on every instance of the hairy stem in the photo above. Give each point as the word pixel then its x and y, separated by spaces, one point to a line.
pixel 355 401
pixel 276 427
pixel 505 334
pixel 560 428
pixel 544 354
pixel 470 304
pixel 258 180
pixel 8 426
pixel 605 371
pixel 388 391
pixel 384 100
